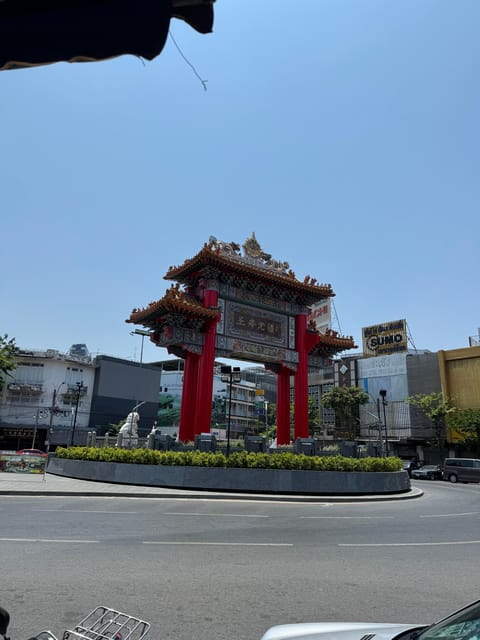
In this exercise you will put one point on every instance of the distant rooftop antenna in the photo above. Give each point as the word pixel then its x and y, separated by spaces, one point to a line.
pixel 410 338
pixel 474 341
pixel 336 317
pixel 337 320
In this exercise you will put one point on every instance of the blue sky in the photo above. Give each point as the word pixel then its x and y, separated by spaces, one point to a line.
pixel 344 133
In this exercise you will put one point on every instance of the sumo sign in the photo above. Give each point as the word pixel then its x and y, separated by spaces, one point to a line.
pixel 385 339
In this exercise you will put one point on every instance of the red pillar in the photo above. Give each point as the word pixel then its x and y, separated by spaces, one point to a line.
pixel 283 406
pixel 301 379
pixel 203 406
pixel 189 391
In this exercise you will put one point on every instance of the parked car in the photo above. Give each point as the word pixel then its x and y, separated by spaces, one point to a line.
pixel 461 625
pixel 410 465
pixel 31 452
pixel 427 472
pixel 461 469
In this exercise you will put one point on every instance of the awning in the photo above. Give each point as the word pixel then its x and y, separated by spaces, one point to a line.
pixel 37 32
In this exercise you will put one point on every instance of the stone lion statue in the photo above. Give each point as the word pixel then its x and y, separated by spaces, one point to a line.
pixel 128 434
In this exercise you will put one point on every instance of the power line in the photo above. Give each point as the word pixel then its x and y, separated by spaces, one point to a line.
pixel 336 317
pixel 204 82
pixel 410 337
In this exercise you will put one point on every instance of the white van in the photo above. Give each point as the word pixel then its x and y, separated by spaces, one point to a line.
pixel 461 470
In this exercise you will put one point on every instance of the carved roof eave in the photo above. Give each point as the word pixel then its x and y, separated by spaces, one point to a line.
pixel 331 342
pixel 177 351
pixel 174 301
pixel 208 256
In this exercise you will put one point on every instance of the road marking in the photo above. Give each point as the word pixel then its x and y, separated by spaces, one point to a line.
pixel 347 517
pixel 222 544
pixel 411 544
pixel 452 515
pixel 214 515
pixel 86 511
pixel 62 540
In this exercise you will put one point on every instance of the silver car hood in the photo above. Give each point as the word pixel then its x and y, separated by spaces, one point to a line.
pixel 338 631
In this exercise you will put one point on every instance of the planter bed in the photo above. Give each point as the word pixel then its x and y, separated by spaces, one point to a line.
pixel 282 481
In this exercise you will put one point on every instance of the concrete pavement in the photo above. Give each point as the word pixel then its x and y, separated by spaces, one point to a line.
pixel 51 485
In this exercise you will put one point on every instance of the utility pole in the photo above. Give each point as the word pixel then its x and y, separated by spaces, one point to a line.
pixel 79 390
pixel 50 422
pixel 383 393
pixel 230 375
pixel 37 415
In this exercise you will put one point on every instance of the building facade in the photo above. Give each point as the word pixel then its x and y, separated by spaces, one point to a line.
pixel 243 413
pixel 120 385
pixel 389 419
pixel 55 398
pixel 47 398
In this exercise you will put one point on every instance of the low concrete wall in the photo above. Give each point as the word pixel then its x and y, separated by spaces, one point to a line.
pixel 239 480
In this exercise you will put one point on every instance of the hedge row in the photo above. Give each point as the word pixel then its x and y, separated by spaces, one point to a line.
pixel 240 459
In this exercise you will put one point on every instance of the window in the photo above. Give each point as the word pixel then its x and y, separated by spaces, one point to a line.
pixel 73 376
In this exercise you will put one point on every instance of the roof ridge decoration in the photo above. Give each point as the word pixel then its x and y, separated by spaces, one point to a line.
pixel 175 293
pixel 329 333
pixel 175 299
pixel 253 254
pixel 253 262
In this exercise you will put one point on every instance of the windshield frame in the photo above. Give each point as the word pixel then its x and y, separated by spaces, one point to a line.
pixel 458 617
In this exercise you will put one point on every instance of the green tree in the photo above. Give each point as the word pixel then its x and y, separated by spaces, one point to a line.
pixel 271 421
pixel 466 423
pixel 436 408
pixel 113 428
pixel 8 350
pixel 313 415
pixel 345 401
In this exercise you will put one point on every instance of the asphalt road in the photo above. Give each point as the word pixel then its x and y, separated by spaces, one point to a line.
pixel 219 569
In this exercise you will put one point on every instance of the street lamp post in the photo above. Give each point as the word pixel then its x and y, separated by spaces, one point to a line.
pixel 77 402
pixel 383 394
pixel 143 333
pixel 265 404
pixel 230 375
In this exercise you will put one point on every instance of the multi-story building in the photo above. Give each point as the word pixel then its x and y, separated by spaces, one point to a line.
pixel 243 413
pixel 46 394
pixel 320 382
pixel 262 379
pixel 390 380
pixel 120 386
pixel 55 398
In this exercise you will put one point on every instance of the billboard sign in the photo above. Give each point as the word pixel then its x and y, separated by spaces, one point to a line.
pixel 322 315
pixel 18 463
pixel 385 339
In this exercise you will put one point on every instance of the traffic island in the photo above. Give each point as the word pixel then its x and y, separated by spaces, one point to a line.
pixel 238 480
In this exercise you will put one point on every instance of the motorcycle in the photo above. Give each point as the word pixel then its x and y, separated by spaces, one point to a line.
pixel 102 623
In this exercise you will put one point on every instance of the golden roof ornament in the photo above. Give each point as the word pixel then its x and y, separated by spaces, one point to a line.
pixel 252 254
pixel 252 247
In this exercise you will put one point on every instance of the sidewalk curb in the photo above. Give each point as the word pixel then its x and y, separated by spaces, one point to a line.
pixel 412 494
